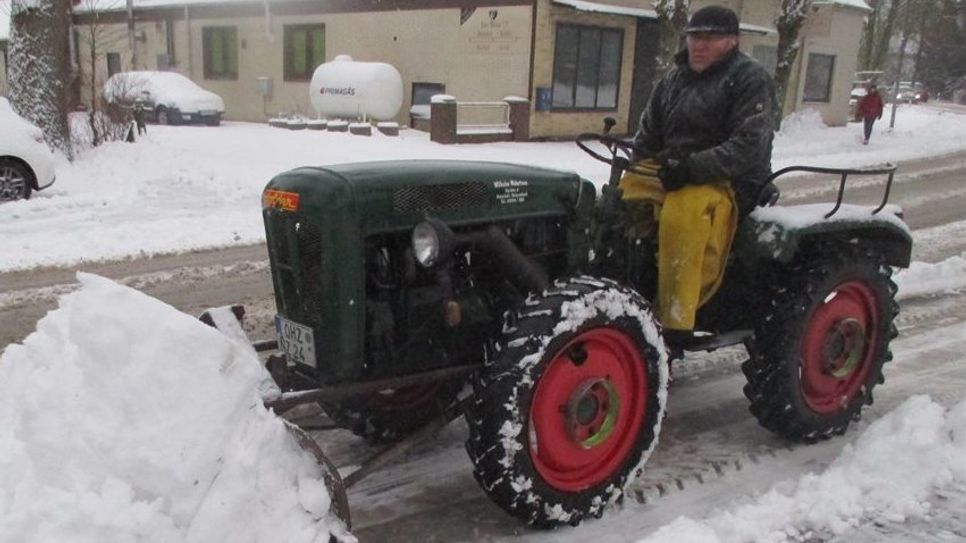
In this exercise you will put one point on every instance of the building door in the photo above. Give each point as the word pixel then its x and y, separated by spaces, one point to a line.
pixel 113 63
pixel 645 53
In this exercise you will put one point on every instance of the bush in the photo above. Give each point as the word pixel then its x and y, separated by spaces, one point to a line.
pixel 107 122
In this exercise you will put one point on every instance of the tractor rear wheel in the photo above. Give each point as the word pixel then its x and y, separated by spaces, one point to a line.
pixel 570 405
pixel 392 414
pixel 820 351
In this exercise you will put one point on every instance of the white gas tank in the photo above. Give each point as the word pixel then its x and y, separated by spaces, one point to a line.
pixel 346 88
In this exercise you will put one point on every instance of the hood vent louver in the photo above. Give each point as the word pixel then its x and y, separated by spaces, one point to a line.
pixel 421 198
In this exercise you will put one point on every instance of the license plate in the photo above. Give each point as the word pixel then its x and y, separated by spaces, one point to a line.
pixel 186 116
pixel 296 341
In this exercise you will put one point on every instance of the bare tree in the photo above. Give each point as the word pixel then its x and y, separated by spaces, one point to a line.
pixel 869 34
pixel 877 33
pixel 791 16
pixel 927 10
pixel 39 73
pixel 907 30
pixel 672 17
pixel 943 60
pixel 105 121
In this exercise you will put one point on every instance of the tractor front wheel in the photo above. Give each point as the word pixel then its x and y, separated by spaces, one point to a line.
pixel 820 352
pixel 570 407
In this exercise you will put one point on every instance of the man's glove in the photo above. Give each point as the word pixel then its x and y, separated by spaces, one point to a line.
pixel 675 173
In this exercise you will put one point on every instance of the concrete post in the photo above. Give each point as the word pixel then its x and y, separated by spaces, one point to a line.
pixel 442 127
pixel 519 117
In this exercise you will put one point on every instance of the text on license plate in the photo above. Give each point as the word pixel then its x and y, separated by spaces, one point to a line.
pixel 295 340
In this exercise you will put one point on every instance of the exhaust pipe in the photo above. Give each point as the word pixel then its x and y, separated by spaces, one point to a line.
pixel 522 271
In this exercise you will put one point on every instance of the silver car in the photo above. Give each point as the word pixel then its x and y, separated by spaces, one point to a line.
pixel 26 163
pixel 165 97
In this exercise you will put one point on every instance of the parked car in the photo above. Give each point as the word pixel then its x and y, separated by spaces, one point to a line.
pixel 167 97
pixel 26 163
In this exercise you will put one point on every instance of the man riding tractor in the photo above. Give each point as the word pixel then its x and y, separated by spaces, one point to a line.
pixel 708 128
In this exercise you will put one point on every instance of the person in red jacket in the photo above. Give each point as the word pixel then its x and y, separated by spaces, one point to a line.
pixel 870 109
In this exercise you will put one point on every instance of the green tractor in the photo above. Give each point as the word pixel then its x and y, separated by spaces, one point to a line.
pixel 413 292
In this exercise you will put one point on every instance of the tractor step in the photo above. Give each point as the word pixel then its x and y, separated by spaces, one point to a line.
pixel 708 342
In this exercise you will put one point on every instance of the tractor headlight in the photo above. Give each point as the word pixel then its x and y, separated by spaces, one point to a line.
pixel 426 244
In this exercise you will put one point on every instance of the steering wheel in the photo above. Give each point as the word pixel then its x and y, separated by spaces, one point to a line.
pixel 621 151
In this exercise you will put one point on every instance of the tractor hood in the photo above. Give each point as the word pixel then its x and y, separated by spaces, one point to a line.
pixel 393 195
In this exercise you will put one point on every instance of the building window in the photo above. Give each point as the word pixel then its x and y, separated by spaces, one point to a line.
pixel 767 56
pixel 113 63
pixel 304 50
pixel 422 96
pixel 220 48
pixel 423 92
pixel 586 67
pixel 818 78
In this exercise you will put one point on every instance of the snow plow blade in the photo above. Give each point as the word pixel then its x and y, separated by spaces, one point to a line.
pixel 228 320
pixel 333 481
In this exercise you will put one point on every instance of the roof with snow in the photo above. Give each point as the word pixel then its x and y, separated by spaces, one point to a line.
pixel 610 9
pixel 115 5
pixel 855 4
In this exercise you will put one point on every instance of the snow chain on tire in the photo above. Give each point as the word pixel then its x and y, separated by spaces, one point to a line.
pixel 535 360
pixel 783 396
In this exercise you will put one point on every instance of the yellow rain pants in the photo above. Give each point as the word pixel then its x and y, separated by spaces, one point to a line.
pixel 695 227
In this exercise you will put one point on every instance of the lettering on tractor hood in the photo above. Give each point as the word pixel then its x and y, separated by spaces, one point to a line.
pixel 511 191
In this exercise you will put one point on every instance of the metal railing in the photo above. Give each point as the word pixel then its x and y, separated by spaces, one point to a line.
pixel 482 117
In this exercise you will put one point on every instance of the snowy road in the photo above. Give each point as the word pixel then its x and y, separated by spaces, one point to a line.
pixel 931 191
pixel 711 452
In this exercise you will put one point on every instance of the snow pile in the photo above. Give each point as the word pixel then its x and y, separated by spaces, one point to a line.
pixel 924 278
pixel 807 122
pixel 122 419
pixel 887 473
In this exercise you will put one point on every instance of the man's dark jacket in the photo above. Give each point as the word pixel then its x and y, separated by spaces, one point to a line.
pixel 722 119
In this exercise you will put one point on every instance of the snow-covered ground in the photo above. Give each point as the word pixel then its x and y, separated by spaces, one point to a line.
pixel 889 472
pixel 122 419
pixel 184 188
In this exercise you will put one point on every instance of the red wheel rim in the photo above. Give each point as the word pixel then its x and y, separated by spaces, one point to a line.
pixel 587 409
pixel 838 348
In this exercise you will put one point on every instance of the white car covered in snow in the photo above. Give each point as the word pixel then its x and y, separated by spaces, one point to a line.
pixel 166 97
pixel 26 163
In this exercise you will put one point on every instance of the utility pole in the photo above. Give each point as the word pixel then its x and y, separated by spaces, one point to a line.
pixel 902 55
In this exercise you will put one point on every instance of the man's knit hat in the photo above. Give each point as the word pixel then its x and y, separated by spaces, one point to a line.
pixel 713 20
